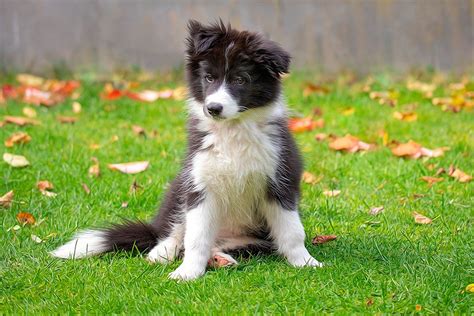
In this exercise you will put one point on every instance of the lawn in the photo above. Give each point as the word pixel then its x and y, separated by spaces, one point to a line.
pixel 379 263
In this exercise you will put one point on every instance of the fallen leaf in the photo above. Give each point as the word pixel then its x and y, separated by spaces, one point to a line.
pixel 138 130
pixel 130 167
pixel 349 144
pixel 25 218
pixel 376 210
pixel 6 199
pixel 29 80
pixel 322 239
pixel 320 136
pixel 421 219
pixel 405 116
pixel 426 89
pixel 440 171
pixel 67 119
pixel 310 178
pixel 76 107
pixel 29 112
pixel 15 161
pixel 94 170
pixel 384 97
pixel 332 193
pixel 113 94
pixel 124 204
pixel 44 185
pixel 94 146
pixel 147 95
pixel 459 175
pixel 36 239
pixel 470 288
pixel 414 150
pixel 311 88
pixel 418 307
pixel 38 97
pixel 17 138
pixel 20 121
pixel 304 124
pixel 348 111
pixel 218 261
pixel 431 180
pixel 86 188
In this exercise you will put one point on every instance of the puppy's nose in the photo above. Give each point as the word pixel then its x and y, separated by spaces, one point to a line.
pixel 214 109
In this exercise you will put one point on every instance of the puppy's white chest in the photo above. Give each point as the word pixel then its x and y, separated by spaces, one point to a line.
pixel 236 164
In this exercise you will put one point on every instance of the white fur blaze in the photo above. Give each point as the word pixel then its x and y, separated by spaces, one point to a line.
pixel 84 244
pixel 222 96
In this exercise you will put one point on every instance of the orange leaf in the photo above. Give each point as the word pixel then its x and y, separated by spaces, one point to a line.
pixel 130 167
pixel 25 218
pixel 6 199
pixel 20 121
pixel 349 144
pixel 94 170
pixel 320 137
pixel 322 239
pixel 421 219
pixel 410 149
pixel 304 124
pixel 459 175
pixel 431 180
pixel 17 138
pixel 138 130
pixel 311 88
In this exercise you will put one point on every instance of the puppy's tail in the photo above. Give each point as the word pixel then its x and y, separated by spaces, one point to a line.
pixel 126 236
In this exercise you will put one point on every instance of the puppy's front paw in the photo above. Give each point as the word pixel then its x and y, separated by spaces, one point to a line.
pixel 302 258
pixel 187 272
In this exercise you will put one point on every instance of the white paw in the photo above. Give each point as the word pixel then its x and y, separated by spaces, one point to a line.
pixel 164 252
pixel 302 258
pixel 187 272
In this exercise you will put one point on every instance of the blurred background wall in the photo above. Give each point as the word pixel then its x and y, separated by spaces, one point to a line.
pixel 328 35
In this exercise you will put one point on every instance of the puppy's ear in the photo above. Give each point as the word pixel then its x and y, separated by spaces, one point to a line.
pixel 274 58
pixel 200 38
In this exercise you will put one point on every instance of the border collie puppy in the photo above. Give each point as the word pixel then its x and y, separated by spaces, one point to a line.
pixel 238 188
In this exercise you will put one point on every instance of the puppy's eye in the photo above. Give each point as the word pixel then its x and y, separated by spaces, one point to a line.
pixel 209 78
pixel 239 80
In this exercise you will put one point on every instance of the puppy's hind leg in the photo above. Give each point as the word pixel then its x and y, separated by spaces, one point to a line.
pixel 169 248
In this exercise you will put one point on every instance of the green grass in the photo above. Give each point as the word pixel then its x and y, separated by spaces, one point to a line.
pixel 395 263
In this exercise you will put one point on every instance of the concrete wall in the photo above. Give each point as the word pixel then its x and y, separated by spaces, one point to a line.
pixel 324 34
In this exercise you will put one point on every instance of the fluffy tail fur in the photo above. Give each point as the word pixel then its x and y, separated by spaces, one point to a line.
pixel 127 236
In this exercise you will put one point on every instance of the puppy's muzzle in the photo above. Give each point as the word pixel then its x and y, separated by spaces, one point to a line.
pixel 214 109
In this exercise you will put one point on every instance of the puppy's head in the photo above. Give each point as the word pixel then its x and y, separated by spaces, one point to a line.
pixel 230 72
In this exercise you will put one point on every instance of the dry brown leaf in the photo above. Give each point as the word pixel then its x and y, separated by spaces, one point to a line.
pixel 218 261
pixel 322 239
pixel 431 180
pixel 76 107
pixel 414 150
pixel 29 112
pixel 67 119
pixel 421 219
pixel 370 301
pixel 17 138
pixel 311 88
pixel 332 193
pixel 15 161
pixel 135 187
pixel 405 116
pixel 376 210
pixel 304 124
pixel 130 167
pixel 94 170
pixel 25 218
pixel 310 178
pixel 6 199
pixel 349 144
pixel 20 121
pixel 44 185
pixel 384 97
pixel 459 175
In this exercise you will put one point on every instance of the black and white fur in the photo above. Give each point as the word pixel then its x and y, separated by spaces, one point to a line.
pixel 238 188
